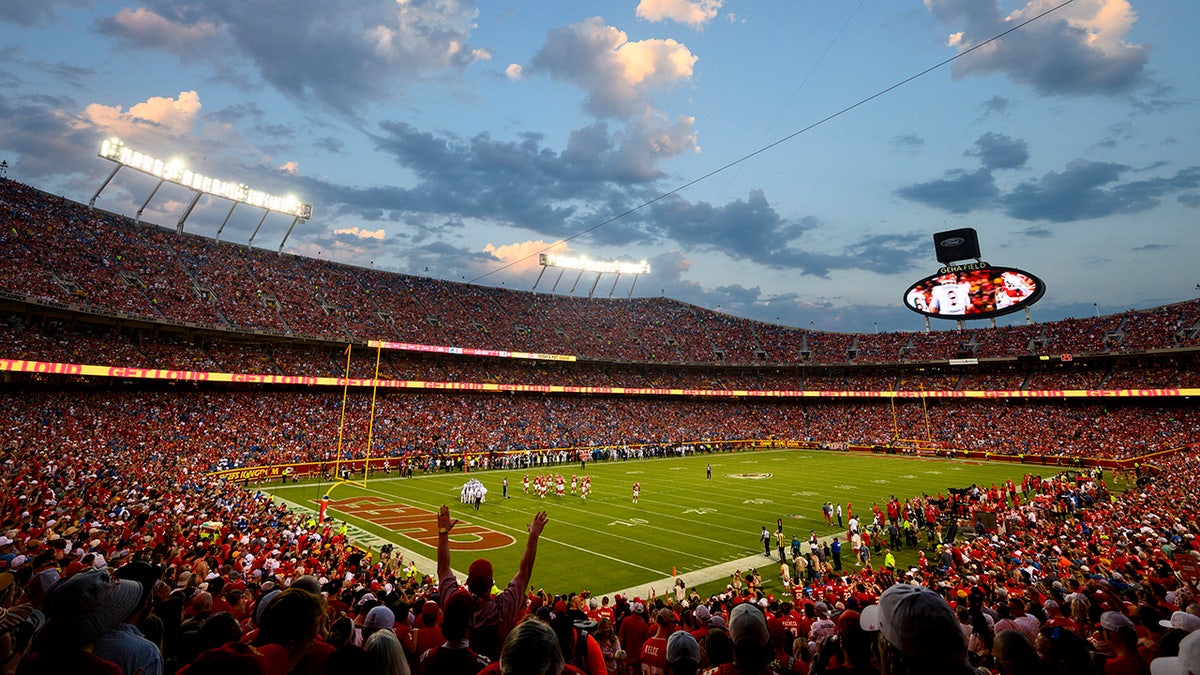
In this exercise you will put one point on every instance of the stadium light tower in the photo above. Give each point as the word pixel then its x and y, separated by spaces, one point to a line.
pixel 175 172
pixel 4 168
pixel 584 264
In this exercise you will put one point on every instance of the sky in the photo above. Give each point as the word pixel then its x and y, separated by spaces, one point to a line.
pixel 785 161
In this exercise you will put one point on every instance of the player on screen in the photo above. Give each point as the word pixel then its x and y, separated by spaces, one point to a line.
pixel 950 298
pixel 1015 288
pixel 917 299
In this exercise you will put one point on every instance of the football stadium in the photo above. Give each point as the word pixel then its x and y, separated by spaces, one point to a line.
pixel 233 421
pixel 477 408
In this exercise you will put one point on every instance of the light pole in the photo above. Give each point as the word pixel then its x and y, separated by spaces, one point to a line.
pixel 3 168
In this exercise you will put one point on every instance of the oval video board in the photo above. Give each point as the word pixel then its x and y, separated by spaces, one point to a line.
pixel 977 293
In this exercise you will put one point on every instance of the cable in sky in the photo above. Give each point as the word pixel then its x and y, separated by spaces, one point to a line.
pixel 780 141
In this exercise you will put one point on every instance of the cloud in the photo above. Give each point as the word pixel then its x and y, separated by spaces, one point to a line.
pixel 959 192
pixel 461 182
pixel 997 151
pixel 291 168
pixel 752 230
pixel 1082 190
pixel 361 234
pixel 168 116
pixel 996 104
pixel 46 140
pixel 523 183
pixel 619 76
pixel 330 144
pixel 142 28
pixel 514 71
pixel 694 14
pixel 523 255
pixel 343 54
pixel 909 143
pixel 1078 50
pixel 35 12
pixel 1086 190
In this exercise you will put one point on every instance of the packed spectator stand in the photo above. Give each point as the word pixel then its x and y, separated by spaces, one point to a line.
pixel 64 254
pixel 104 477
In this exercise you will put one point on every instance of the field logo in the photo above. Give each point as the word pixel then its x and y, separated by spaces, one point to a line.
pixel 749 476
pixel 419 524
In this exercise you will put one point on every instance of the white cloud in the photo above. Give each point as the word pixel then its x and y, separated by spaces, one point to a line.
pixel 291 168
pixel 514 71
pixel 694 14
pixel 1077 50
pixel 619 76
pixel 524 254
pixel 361 234
pixel 170 116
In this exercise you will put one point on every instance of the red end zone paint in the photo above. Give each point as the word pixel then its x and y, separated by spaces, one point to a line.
pixel 419 524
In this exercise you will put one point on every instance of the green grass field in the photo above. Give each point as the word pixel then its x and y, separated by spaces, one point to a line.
pixel 682 522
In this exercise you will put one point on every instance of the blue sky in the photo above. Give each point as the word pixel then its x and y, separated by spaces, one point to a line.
pixel 462 138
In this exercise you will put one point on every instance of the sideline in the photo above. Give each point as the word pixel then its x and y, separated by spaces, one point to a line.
pixel 725 570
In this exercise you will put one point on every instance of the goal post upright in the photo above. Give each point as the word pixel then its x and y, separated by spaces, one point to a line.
pixel 371 417
pixel 337 458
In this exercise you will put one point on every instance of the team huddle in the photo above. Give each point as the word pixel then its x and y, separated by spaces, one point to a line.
pixel 542 482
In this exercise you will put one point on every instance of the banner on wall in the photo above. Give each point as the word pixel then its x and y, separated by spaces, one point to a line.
pixel 120 372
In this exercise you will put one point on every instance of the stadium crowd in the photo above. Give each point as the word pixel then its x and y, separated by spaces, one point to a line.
pixel 207 576
pixel 64 254
pixel 215 428
pixel 57 340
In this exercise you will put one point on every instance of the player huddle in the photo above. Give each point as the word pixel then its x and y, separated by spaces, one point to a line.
pixel 542 484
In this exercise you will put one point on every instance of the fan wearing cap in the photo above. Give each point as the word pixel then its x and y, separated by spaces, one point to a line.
pixel 654 650
pixel 17 626
pixel 1121 637
pixel 701 616
pixel 918 633
pixel 79 610
pixel 427 631
pixel 493 617
pixel 381 617
pixel 1188 623
pixel 1188 660
pixel 632 633
pixel 455 656
pixel 125 645
pixel 683 654
pixel 751 639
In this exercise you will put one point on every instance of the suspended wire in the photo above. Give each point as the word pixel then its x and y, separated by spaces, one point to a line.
pixel 781 141
pixel 796 92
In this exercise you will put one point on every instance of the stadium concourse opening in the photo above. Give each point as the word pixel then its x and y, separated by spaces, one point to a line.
pixel 150 398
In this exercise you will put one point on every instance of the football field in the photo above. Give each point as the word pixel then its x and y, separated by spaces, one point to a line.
pixel 683 523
